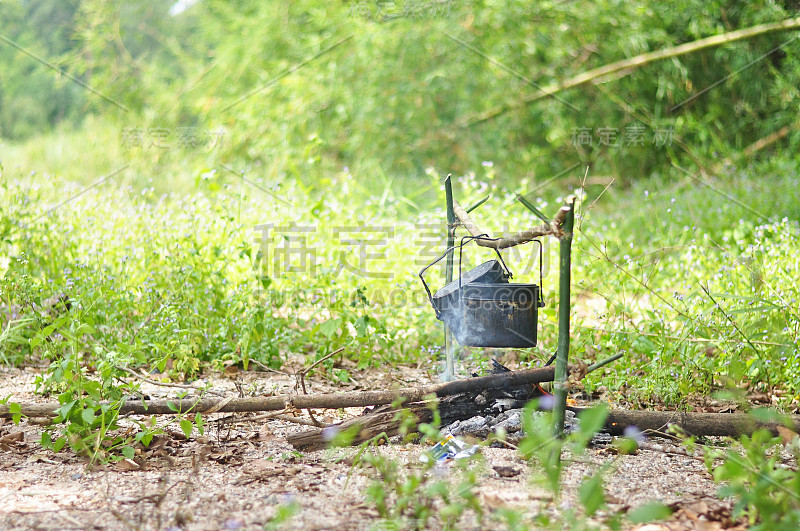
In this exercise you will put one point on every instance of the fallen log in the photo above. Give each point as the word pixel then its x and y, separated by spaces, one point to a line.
pixel 317 401
pixel 366 426
pixel 704 424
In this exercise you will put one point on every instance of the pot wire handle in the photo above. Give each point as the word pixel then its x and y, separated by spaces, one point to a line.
pixel 425 284
pixel 500 256
pixel 540 302
pixel 465 240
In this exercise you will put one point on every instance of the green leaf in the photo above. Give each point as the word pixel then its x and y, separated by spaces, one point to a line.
pixel 128 451
pixel 649 512
pixel 93 389
pixel 626 446
pixel 361 325
pixel 591 420
pixel 591 494
pixel 186 427
pixel 146 438
pixel 59 444
pixel 64 410
pixel 199 422
pixel 329 328
pixel 82 330
pixel 172 406
pixel 87 415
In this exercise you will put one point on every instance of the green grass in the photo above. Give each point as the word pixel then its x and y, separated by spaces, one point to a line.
pixel 697 289
pixel 165 270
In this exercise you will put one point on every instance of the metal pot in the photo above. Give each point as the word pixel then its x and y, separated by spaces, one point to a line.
pixel 448 299
pixel 483 310
pixel 498 315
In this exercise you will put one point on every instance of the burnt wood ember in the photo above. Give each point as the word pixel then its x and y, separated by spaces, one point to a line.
pixel 488 403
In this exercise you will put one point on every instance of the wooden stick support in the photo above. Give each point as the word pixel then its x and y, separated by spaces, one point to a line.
pixel 551 229
pixel 449 344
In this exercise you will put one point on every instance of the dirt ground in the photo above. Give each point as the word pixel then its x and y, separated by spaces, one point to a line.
pixel 242 475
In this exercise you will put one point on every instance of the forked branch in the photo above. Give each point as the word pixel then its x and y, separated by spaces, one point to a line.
pixel 546 229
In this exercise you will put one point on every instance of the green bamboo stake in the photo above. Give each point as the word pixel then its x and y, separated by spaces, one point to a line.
pixel 449 369
pixel 530 206
pixel 603 363
pixel 562 352
pixel 477 204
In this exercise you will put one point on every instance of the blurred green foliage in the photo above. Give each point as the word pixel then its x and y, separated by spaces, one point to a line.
pixel 307 87
pixel 34 96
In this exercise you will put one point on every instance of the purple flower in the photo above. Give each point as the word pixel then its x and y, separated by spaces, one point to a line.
pixel 329 433
pixel 547 402
pixel 632 432
pixel 233 523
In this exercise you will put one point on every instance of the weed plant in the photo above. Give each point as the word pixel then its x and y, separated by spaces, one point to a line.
pixel 697 291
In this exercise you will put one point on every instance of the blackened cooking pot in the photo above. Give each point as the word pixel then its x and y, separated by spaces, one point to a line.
pixel 447 299
pixel 497 315
pixel 483 310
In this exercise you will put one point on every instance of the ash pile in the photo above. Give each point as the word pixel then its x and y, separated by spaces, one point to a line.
pixel 499 412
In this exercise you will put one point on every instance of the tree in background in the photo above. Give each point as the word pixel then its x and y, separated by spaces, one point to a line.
pixel 400 86
pixel 33 96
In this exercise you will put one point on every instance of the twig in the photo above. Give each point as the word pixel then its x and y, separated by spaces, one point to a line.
pixel 240 420
pixel 674 451
pixel 157 498
pixel 663 435
pixel 60 509
pixel 503 441
pixel 301 378
pixel 166 384
pixel 591 206
pixel 304 371
pixel 271 416
pixel 298 420
pixel 216 407
pixel 266 368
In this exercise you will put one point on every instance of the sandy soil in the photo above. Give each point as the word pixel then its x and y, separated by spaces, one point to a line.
pixel 240 476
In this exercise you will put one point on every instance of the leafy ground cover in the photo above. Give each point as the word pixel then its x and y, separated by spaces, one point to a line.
pixel 242 273
pixel 235 271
